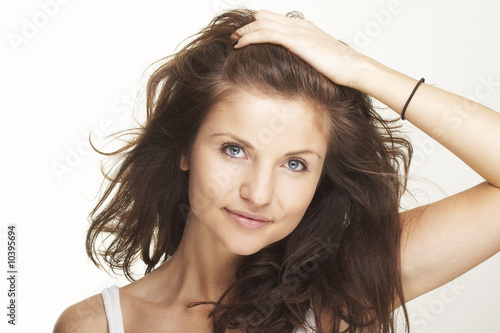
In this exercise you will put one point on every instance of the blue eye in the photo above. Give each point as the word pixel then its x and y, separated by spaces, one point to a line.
pixel 296 165
pixel 233 150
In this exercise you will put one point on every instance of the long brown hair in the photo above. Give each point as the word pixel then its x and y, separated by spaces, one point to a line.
pixel 343 258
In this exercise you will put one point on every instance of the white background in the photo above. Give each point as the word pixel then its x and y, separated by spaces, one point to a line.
pixel 72 67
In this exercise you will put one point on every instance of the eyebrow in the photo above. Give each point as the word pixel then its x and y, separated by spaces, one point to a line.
pixel 243 142
pixel 300 152
pixel 249 145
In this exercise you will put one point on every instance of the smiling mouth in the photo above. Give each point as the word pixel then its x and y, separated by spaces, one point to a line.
pixel 247 220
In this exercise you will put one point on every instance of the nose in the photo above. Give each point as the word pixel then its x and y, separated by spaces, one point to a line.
pixel 258 186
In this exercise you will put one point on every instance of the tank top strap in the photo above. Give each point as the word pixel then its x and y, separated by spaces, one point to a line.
pixel 111 299
pixel 310 323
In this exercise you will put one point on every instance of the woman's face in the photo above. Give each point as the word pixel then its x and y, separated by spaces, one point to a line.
pixel 254 168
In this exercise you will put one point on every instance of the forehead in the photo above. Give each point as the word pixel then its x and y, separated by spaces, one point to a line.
pixel 251 108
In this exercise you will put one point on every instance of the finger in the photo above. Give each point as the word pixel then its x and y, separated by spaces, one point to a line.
pixel 265 18
pixel 288 26
pixel 265 36
pixel 261 24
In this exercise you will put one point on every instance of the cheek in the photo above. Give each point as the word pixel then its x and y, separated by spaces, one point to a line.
pixel 295 198
pixel 211 180
pixel 294 202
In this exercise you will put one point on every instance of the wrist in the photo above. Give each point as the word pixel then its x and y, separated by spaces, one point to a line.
pixel 388 86
pixel 368 72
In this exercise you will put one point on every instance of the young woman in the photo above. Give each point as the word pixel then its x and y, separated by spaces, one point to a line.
pixel 263 190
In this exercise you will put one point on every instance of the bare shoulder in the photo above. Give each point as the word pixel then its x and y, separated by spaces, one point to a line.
pixel 85 316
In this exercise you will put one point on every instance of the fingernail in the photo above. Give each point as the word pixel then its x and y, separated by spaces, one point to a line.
pixel 235 42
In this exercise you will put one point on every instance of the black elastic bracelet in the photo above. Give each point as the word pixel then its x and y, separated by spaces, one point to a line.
pixel 409 98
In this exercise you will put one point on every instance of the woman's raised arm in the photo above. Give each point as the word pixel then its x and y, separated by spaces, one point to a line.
pixel 445 239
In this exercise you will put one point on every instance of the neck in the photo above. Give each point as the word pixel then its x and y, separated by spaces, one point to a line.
pixel 201 269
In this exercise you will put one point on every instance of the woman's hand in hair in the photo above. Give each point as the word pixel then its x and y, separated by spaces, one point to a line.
pixel 329 56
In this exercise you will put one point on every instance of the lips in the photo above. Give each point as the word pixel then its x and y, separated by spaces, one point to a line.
pixel 248 220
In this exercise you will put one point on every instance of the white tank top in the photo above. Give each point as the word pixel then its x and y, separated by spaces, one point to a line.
pixel 111 299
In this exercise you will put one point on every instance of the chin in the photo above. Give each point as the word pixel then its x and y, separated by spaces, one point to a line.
pixel 243 247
